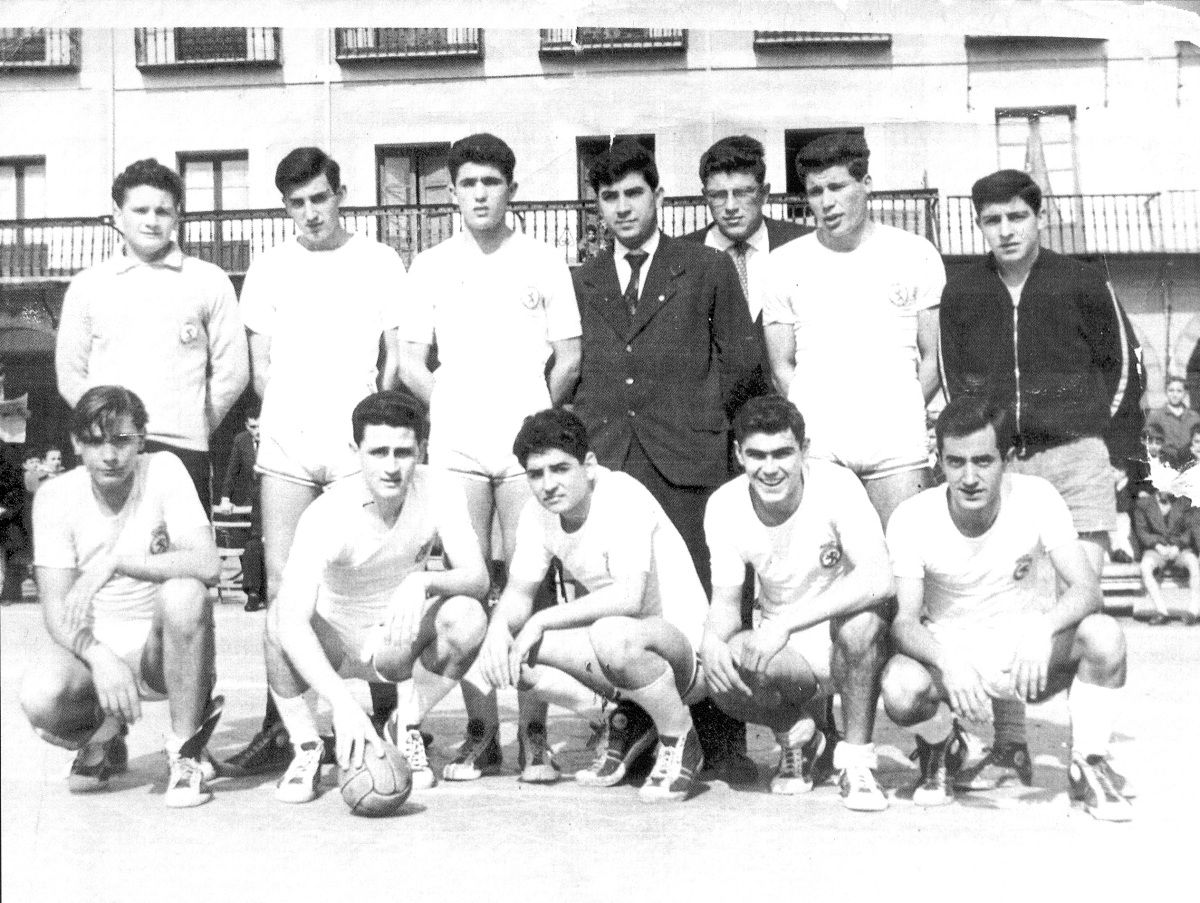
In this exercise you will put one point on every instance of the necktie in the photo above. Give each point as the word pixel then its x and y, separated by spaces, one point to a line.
pixel 635 259
pixel 737 251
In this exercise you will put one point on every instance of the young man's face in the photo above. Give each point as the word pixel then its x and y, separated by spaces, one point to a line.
pixel 839 203
pixel 1012 233
pixel 974 472
pixel 315 209
pixel 1194 446
pixel 561 483
pixel 389 456
pixel 735 200
pixel 110 457
pixel 252 427
pixel 1154 445
pixel 53 462
pixel 147 219
pixel 1175 394
pixel 774 464
pixel 482 194
pixel 629 208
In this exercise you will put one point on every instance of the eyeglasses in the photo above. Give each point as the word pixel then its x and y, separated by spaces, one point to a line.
pixel 721 198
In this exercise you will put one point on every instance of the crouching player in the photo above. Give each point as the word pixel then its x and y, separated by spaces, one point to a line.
pixel 633 635
pixel 970 625
pixel 356 599
pixel 123 554
pixel 810 533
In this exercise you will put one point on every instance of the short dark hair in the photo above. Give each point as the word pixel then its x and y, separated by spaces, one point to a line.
pixel 1154 431
pixel 768 414
pixel 101 407
pixel 1176 379
pixel 735 153
pixel 837 149
pixel 553 428
pixel 304 164
pixel 482 149
pixel 147 172
pixel 970 414
pixel 389 408
pixel 624 157
pixel 1004 185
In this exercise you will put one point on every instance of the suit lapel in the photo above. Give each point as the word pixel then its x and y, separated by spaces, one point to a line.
pixel 604 293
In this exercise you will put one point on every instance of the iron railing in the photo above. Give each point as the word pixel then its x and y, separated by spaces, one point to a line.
pixel 368 44
pixel 585 40
pixel 1166 222
pixel 39 48
pixel 801 38
pixel 176 47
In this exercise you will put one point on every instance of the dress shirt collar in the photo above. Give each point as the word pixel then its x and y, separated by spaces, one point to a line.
pixel 719 240
pixel 172 260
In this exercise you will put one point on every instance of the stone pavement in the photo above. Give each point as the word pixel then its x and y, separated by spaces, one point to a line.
pixel 500 840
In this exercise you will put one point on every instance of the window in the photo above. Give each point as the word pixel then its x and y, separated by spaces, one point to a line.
pixel 763 39
pixel 407 43
pixel 1039 140
pixel 588 149
pixel 413 174
pixel 39 48
pixel 215 181
pixel 586 40
pixel 22 187
pixel 165 47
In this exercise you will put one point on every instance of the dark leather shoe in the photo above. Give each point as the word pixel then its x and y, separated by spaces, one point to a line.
pixel 254 602
pixel 733 767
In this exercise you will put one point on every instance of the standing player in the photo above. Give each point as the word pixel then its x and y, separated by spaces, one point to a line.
pixel 357 600
pixel 316 309
pixel 635 633
pixel 814 542
pixel 124 554
pixel 161 323
pixel 970 626
pixel 501 308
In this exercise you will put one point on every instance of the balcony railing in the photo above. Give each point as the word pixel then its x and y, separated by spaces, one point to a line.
pixel 166 48
pixel 1162 223
pixel 763 39
pixel 370 44
pixel 602 40
pixel 38 48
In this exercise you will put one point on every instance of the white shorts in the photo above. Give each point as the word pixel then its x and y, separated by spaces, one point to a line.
pixel 989 647
pixel 361 629
pixel 813 644
pixel 892 440
pixel 495 465
pixel 128 638
pixel 306 458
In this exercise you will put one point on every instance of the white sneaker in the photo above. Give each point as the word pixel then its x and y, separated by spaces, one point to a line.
pixel 860 790
pixel 186 786
pixel 299 782
pixel 412 746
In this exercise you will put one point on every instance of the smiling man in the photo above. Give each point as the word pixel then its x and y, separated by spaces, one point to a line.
pixel 634 633
pixel 357 599
pixel 808 531
pixel 158 322
pixel 971 626
pixel 318 309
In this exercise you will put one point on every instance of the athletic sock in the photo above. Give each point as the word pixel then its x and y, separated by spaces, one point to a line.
pixel 1093 712
pixel 1008 721
pixel 297 717
pixel 561 689
pixel 428 689
pixel 848 754
pixel 660 699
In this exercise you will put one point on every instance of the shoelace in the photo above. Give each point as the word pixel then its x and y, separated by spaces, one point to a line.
pixel 414 751
pixel 669 761
pixel 860 779
pixel 305 760
pixel 185 770
pixel 791 761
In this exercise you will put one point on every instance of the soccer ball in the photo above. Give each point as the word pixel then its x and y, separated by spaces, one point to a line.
pixel 379 786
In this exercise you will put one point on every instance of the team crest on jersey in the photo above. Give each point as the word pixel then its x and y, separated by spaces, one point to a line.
pixel 1024 563
pixel 831 554
pixel 903 296
pixel 160 540
pixel 188 333
pixel 531 298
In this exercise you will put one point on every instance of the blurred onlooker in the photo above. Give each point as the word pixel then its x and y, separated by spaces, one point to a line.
pixel 13 540
pixel 1168 537
pixel 1176 421
pixel 593 243
pixel 240 487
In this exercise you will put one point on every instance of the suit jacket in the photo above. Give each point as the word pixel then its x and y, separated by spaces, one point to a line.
pixel 1151 527
pixel 241 482
pixel 668 374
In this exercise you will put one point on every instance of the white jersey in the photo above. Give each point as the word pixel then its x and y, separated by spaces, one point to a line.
pixel 984 578
pixel 854 318
pixel 799 559
pixel 494 317
pixel 354 562
pixel 626 533
pixel 323 312
pixel 70 528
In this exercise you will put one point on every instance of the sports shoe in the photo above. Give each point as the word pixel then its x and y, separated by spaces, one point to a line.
pixel 299 782
pixel 95 763
pixel 678 761
pixel 187 781
pixel 732 766
pixel 534 757
pixel 803 767
pixel 412 745
pixel 269 750
pixel 1002 765
pixel 628 732
pixel 860 790
pixel 1093 787
pixel 939 763
pixel 479 754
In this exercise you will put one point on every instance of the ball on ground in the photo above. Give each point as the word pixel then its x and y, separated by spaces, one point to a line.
pixel 379 786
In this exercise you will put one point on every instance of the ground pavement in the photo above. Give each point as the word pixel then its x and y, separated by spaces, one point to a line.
pixel 498 840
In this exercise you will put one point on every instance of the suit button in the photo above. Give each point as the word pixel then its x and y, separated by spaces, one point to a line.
pixel 629 380
pixel 628 348
pixel 633 413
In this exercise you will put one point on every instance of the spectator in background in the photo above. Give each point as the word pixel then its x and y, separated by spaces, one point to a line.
pixel 1176 420
pixel 1168 537
pixel 52 462
pixel 13 544
pixel 240 488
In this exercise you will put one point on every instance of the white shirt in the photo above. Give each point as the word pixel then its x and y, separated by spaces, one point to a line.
pixel 758 247
pixel 983 578
pixel 624 270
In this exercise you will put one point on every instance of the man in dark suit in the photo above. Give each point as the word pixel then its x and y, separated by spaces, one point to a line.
pixel 667 339
pixel 240 487
pixel 733 175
